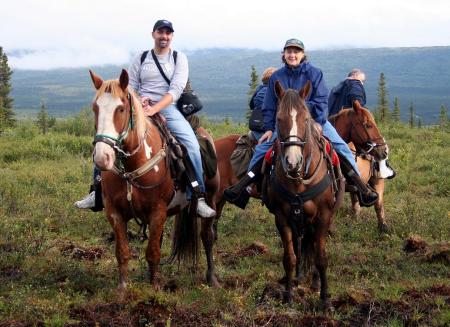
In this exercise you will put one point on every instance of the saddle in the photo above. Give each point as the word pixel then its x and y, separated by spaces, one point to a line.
pixel 180 167
pixel 179 162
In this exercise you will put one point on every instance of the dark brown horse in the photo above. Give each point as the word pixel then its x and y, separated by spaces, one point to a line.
pixel 301 192
pixel 136 179
pixel 357 126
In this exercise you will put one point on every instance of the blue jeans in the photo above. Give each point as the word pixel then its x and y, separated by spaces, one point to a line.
pixel 339 144
pixel 328 131
pixel 182 130
pixel 261 150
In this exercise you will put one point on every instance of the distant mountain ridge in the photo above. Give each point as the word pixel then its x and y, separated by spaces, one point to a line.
pixel 221 77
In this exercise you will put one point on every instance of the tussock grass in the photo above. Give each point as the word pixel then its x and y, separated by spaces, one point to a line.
pixel 372 280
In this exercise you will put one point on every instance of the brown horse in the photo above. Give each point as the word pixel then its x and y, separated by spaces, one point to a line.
pixel 301 192
pixel 357 126
pixel 136 179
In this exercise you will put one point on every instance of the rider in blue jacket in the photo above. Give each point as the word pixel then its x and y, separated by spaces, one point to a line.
pixel 294 75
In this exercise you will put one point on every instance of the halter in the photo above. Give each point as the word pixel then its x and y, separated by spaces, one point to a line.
pixel 117 142
pixel 300 143
pixel 371 144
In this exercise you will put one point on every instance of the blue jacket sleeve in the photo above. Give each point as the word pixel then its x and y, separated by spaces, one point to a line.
pixel 318 100
pixel 269 107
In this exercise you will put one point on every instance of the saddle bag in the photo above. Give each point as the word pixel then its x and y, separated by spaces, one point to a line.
pixel 242 155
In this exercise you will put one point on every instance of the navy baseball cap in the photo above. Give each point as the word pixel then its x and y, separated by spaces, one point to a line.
pixel 294 43
pixel 163 23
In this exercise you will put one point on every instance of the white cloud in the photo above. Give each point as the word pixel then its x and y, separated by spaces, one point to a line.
pixel 67 33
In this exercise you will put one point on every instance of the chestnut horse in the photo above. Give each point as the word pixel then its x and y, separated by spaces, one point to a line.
pixel 301 192
pixel 357 126
pixel 136 179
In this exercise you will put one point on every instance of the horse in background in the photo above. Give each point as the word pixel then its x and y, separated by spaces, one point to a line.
pixel 136 180
pixel 301 191
pixel 357 127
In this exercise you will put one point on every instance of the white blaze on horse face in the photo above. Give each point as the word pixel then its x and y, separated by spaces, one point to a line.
pixel 104 155
pixel 293 153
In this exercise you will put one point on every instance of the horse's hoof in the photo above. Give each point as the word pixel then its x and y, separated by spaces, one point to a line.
pixel 383 228
pixel 327 306
pixel 212 281
pixel 287 297
pixel 282 281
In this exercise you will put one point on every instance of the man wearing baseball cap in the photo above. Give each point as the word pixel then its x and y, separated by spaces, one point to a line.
pixel 294 75
pixel 158 95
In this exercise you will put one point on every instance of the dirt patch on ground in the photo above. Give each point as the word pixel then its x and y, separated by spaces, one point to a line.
pixel 238 281
pixel 81 253
pixel 435 253
pixel 415 243
pixel 145 313
pixel 231 259
pixel 414 308
pixel 14 323
pixel 10 273
pixel 439 253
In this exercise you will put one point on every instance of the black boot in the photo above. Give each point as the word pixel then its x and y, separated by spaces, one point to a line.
pixel 237 193
pixel 366 196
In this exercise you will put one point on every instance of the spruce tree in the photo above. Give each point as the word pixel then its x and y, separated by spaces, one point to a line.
pixel 411 115
pixel 443 120
pixel 419 122
pixel 382 111
pixel 6 108
pixel 396 111
pixel 43 119
pixel 254 81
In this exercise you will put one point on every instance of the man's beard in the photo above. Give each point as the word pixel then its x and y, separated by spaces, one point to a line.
pixel 163 43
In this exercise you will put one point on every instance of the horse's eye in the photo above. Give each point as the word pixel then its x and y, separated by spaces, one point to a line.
pixel 121 109
pixel 367 125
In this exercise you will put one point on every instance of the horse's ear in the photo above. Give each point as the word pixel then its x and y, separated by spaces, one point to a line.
pixel 123 80
pixel 279 91
pixel 356 106
pixel 304 92
pixel 96 80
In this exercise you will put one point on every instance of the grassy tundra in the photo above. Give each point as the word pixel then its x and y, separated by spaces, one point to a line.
pixel 57 264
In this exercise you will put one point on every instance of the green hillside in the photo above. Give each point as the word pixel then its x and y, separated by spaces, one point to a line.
pixel 221 76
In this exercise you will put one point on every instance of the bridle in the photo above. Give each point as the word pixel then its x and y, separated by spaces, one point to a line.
pixel 369 144
pixel 300 175
pixel 117 142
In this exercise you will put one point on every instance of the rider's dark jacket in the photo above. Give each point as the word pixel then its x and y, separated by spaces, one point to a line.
pixel 296 78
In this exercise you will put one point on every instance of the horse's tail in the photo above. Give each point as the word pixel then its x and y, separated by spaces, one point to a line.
pixel 185 241
pixel 307 250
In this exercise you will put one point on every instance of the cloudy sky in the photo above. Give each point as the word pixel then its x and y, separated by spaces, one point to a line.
pixel 73 33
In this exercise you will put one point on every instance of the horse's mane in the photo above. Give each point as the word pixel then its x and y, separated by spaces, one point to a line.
pixel 113 87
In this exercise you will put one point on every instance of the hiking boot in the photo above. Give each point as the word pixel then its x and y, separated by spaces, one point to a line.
pixel 87 203
pixel 366 195
pixel 368 198
pixel 204 210
pixel 240 200
pixel 237 194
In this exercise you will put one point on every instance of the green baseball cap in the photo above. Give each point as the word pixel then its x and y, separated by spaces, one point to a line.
pixel 294 43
